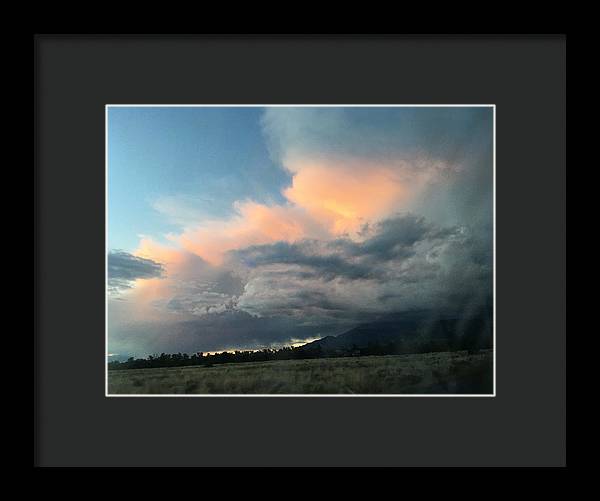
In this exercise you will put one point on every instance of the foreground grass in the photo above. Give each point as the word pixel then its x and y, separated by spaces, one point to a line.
pixel 431 373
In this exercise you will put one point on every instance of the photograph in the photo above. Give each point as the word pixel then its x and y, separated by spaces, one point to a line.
pixel 300 250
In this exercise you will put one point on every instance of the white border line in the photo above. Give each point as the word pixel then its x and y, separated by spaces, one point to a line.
pixel 107 106
pixel 106 394
pixel 493 242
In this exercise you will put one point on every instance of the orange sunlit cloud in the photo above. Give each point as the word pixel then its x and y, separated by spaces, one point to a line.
pixel 147 292
pixel 326 199
pixel 168 256
pixel 255 224
pixel 343 199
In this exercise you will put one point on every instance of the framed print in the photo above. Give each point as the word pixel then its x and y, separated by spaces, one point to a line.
pixel 330 239
pixel 300 250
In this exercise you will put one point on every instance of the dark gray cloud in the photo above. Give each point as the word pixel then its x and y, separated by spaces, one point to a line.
pixel 212 291
pixel 392 239
pixel 404 263
pixel 125 268
pixel 230 330
pixel 311 254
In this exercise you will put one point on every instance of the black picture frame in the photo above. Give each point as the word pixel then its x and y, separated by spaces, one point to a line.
pixel 77 75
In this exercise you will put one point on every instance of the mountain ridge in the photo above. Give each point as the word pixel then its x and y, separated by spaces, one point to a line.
pixel 473 331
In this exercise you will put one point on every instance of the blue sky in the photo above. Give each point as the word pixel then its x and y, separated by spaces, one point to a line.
pixel 198 159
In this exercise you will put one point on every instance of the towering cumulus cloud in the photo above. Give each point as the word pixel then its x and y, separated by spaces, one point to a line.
pixel 380 211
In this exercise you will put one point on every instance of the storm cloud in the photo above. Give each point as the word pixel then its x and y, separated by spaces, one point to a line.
pixel 405 263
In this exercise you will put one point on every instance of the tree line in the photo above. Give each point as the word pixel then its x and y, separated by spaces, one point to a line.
pixel 396 347
pixel 208 359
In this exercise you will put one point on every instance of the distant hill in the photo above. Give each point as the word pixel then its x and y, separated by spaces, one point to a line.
pixel 411 334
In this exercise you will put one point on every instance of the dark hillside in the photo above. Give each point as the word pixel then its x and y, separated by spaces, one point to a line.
pixel 406 335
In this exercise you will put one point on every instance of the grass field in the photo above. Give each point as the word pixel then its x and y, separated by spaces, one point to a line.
pixel 431 373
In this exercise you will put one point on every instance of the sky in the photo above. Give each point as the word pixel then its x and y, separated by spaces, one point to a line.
pixel 254 227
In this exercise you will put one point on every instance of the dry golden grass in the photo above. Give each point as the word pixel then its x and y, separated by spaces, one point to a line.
pixel 430 373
